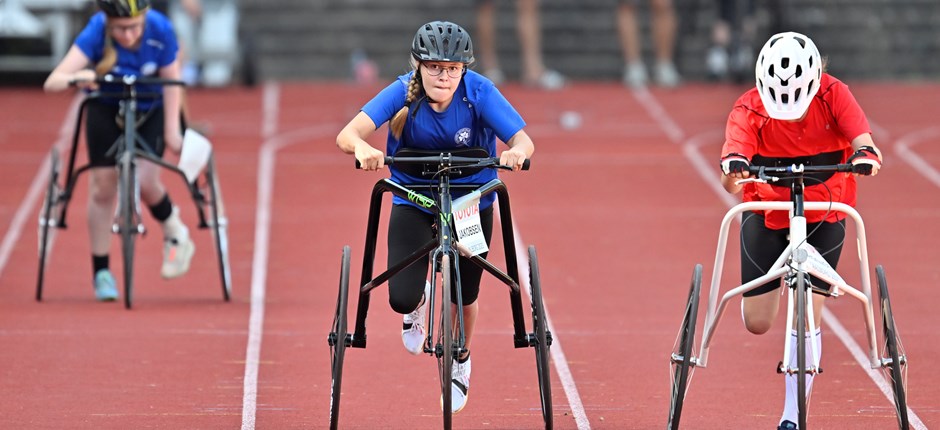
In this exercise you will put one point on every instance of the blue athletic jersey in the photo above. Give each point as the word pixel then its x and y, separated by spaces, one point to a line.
pixel 158 48
pixel 477 115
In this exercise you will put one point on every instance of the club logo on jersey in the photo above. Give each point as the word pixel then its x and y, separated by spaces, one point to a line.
pixel 149 68
pixel 462 138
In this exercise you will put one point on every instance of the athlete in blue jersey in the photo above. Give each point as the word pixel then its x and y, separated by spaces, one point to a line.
pixel 440 105
pixel 127 38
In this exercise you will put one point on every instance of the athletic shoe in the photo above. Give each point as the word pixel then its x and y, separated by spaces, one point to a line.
pixel 459 386
pixel 634 75
pixel 105 286
pixel 787 425
pixel 495 75
pixel 550 80
pixel 666 75
pixel 412 328
pixel 177 254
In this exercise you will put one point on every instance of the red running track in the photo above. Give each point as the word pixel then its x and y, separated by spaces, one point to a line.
pixel 617 209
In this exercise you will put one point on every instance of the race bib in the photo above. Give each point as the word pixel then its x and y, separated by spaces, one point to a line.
pixel 817 262
pixel 466 212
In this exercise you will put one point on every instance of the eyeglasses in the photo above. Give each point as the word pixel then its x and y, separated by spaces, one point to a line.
pixel 435 69
pixel 135 27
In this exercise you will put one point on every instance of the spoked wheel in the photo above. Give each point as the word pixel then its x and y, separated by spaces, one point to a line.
pixel 219 227
pixel 801 303
pixel 128 225
pixel 445 355
pixel 682 359
pixel 542 339
pixel 894 365
pixel 48 219
pixel 337 340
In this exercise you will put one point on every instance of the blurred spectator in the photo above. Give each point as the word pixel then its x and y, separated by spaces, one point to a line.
pixel 534 72
pixel 732 54
pixel 664 36
pixel 208 31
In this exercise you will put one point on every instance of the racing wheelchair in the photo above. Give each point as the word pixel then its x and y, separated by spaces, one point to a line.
pixel 794 266
pixel 445 341
pixel 205 189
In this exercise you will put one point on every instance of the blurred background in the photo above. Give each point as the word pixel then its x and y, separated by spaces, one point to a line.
pixel 326 39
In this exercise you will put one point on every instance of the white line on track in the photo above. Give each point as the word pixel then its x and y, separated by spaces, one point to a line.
pixel 558 355
pixel 273 143
pixel 37 187
pixel 903 149
pixel 259 263
pixel 708 174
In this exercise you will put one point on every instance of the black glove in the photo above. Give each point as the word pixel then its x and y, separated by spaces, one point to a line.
pixel 734 163
pixel 866 161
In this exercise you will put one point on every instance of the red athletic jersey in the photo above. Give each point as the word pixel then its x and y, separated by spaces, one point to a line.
pixel 833 120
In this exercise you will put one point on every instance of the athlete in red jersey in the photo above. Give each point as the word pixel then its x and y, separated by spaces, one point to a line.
pixel 795 115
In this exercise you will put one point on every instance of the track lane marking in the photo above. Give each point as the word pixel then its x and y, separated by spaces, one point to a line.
pixel 37 186
pixel 558 355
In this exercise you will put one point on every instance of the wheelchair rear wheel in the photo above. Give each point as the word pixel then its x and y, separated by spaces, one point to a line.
pixel 48 219
pixel 338 340
pixel 894 365
pixel 682 359
pixel 542 339
pixel 219 228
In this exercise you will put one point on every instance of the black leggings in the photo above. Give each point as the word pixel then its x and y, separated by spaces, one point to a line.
pixel 410 228
pixel 761 246
pixel 102 132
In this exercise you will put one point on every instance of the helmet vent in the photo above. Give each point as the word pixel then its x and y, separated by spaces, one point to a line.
pixel 801 41
pixel 784 98
pixel 773 95
pixel 785 62
pixel 799 71
pixel 796 95
pixel 770 71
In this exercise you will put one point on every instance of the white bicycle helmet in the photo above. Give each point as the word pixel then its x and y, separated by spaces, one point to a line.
pixel 788 72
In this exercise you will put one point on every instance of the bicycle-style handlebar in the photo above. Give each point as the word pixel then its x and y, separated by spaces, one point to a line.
pixel 449 161
pixel 765 173
pixel 129 80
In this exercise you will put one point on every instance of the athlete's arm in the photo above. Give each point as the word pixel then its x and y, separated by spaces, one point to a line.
pixel 72 68
pixel 521 147
pixel 352 140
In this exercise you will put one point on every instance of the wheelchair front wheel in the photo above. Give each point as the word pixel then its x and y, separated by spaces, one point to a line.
pixel 48 219
pixel 129 226
pixel 542 339
pixel 338 340
pixel 682 360
pixel 445 355
pixel 895 364
pixel 219 228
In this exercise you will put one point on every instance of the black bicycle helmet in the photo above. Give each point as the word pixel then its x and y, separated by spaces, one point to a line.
pixel 123 8
pixel 442 41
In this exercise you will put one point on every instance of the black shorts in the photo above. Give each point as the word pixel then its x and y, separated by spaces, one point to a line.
pixel 102 132
pixel 761 246
pixel 411 228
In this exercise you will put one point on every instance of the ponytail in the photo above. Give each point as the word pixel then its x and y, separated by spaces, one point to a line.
pixel 109 58
pixel 397 124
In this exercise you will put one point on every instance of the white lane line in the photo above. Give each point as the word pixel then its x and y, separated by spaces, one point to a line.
pixel 259 264
pixel 903 149
pixel 266 170
pixel 675 133
pixel 38 185
pixel 861 357
pixel 558 355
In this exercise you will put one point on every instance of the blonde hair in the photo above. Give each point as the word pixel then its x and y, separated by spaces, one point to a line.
pixel 109 58
pixel 397 124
